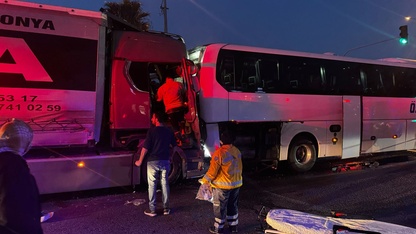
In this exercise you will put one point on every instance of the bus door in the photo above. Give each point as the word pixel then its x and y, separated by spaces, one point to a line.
pixel 351 129
pixel 191 115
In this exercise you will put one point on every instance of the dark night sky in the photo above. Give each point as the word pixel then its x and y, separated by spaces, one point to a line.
pixel 317 26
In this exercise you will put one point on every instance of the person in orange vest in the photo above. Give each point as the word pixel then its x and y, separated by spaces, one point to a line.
pixel 225 176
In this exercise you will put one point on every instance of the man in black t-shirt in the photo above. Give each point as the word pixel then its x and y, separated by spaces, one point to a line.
pixel 157 145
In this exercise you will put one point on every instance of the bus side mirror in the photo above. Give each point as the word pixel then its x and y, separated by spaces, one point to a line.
pixel 191 67
pixel 193 70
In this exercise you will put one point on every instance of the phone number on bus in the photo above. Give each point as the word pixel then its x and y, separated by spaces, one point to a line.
pixel 29 107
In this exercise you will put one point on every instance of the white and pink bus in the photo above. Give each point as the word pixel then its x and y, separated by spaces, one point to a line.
pixel 300 107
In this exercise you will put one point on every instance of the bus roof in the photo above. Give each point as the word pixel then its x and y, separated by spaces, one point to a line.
pixel 386 61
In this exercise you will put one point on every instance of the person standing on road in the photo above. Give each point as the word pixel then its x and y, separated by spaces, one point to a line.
pixel 173 95
pixel 157 145
pixel 225 176
pixel 20 208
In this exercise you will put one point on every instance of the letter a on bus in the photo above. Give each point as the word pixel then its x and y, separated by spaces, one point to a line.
pixel 25 61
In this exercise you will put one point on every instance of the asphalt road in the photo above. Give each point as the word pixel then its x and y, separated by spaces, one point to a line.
pixel 385 193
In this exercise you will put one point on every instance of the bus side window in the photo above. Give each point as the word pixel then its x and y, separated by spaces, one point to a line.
pixel 368 89
pixel 252 83
pixel 375 77
pixel 404 86
pixel 294 84
pixel 388 81
pixel 355 84
pixel 269 69
pixel 371 80
pixel 291 77
pixel 381 90
pixel 315 84
pixel 137 75
pixel 350 83
pixel 314 79
pixel 412 83
pixel 332 84
pixel 249 76
pixel 333 87
pixel 285 78
pixel 154 79
pixel 226 77
pixel 227 81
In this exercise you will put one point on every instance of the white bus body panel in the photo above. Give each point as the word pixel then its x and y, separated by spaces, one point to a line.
pixel 262 107
pixel 98 172
pixel 213 96
pixel 213 139
pixel 319 129
pixel 411 134
pixel 351 126
pixel 388 124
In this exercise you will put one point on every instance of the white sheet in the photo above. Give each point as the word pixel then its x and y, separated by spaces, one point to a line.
pixel 296 222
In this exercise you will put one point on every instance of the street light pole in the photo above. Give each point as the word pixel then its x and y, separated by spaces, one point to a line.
pixel 403 37
pixel 375 43
pixel 165 15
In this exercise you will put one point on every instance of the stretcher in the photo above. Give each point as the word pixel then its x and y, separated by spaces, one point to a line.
pixel 296 222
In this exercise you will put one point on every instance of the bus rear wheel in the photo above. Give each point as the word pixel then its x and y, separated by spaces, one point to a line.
pixel 302 155
pixel 175 171
pixel 174 175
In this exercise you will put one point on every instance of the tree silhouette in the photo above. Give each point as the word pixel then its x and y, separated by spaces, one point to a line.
pixel 130 11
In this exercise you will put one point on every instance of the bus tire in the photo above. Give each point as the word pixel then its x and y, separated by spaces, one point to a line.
pixel 175 171
pixel 302 155
pixel 174 174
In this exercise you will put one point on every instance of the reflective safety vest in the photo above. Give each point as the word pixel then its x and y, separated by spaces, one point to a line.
pixel 225 169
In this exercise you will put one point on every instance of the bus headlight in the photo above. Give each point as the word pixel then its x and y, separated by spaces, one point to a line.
pixel 207 154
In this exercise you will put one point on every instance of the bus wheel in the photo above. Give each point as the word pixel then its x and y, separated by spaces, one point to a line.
pixel 175 171
pixel 302 155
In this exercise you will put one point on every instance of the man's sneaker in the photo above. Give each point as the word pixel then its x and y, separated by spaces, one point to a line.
pixel 215 230
pixel 150 213
pixel 45 216
pixel 166 211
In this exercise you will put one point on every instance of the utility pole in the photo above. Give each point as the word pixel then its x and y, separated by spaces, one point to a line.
pixel 164 9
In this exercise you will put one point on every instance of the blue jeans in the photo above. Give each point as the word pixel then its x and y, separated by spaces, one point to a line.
pixel 158 170
pixel 225 203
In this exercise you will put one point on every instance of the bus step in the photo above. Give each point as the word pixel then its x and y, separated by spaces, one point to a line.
pixel 193 174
